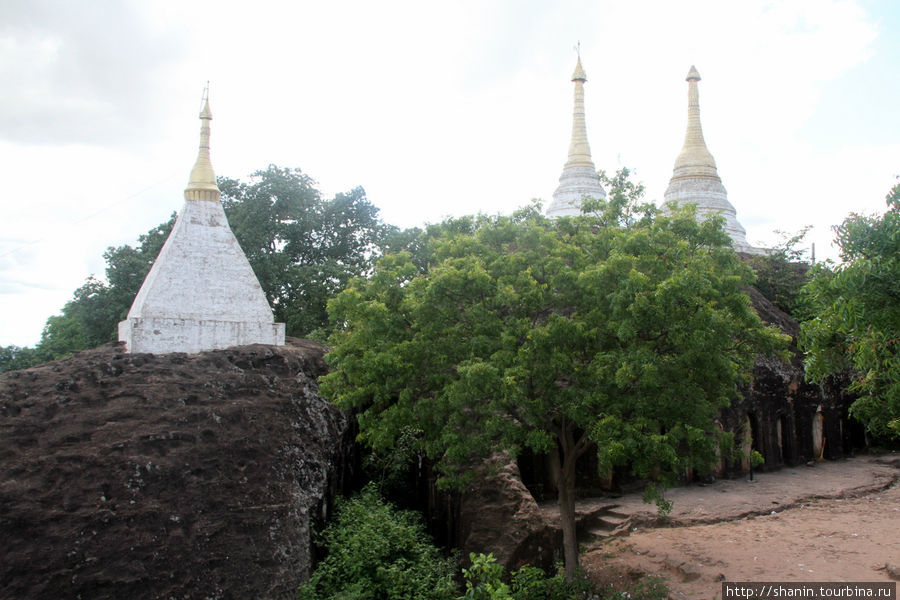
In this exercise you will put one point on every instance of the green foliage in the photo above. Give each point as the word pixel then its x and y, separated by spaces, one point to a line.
pixel 654 493
pixel 857 317
pixel 624 205
pixel 392 470
pixel 375 552
pixel 14 357
pixel 91 317
pixel 531 583
pixel 728 449
pixel 485 581
pixel 782 272
pixel 756 458
pixel 623 334
pixel 303 248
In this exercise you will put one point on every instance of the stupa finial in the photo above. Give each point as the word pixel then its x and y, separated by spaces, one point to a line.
pixel 202 182
pixel 578 75
pixel 579 177
pixel 579 149
pixel 695 159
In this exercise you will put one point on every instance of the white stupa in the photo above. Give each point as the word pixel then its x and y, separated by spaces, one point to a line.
pixel 696 180
pixel 579 177
pixel 201 293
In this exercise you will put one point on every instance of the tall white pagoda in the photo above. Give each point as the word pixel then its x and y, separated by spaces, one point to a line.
pixel 201 293
pixel 579 176
pixel 695 178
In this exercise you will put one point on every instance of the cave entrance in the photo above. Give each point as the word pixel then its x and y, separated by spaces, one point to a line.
pixel 754 432
pixel 785 445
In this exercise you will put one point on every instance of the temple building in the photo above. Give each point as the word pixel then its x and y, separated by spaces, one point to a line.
pixel 696 180
pixel 579 176
pixel 201 293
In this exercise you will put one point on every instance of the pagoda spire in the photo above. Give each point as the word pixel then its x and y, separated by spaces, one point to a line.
pixel 579 177
pixel 695 159
pixel 695 179
pixel 579 148
pixel 202 182
pixel 201 292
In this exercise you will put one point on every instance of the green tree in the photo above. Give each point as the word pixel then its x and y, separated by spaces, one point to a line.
pixel 91 317
pixel 782 272
pixel 15 357
pixel 857 317
pixel 375 552
pixel 560 336
pixel 303 248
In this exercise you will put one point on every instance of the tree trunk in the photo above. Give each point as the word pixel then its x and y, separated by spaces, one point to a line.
pixel 565 485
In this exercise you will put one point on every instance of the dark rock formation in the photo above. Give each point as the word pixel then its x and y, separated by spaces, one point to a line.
pixel 497 514
pixel 175 476
pixel 785 418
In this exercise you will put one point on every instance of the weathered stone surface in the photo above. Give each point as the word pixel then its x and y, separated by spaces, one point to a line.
pixel 790 420
pixel 178 476
pixel 498 514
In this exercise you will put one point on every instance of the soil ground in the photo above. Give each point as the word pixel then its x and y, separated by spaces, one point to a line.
pixel 834 521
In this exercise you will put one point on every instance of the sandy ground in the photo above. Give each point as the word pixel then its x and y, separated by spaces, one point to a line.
pixel 836 521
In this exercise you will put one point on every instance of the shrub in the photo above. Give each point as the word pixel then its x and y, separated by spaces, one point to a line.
pixel 376 552
pixel 484 581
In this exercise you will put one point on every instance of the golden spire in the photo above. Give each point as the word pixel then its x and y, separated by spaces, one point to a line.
pixel 695 159
pixel 202 183
pixel 579 149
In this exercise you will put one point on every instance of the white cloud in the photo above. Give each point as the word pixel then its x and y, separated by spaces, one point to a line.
pixel 79 72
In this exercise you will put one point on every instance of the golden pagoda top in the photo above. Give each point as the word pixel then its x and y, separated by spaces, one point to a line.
pixel 202 182
pixel 695 159
pixel 579 149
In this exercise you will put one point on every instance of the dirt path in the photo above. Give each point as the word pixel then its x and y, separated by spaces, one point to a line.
pixel 835 521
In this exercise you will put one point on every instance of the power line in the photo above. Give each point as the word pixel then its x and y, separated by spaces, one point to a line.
pixel 95 213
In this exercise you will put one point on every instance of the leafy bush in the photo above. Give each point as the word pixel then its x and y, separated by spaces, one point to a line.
pixel 782 272
pixel 531 583
pixel 375 552
pixel 484 581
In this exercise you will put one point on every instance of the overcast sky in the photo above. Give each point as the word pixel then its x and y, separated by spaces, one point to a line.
pixel 435 108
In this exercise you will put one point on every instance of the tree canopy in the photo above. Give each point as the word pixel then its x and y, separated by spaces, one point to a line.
pixel 620 332
pixel 857 317
pixel 303 248
pixel 782 272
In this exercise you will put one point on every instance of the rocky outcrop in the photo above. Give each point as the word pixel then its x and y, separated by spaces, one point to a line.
pixel 497 514
pixel 785 418
pixel 173 476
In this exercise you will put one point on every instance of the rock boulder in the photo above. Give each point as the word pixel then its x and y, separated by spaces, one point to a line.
pixel 171 476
